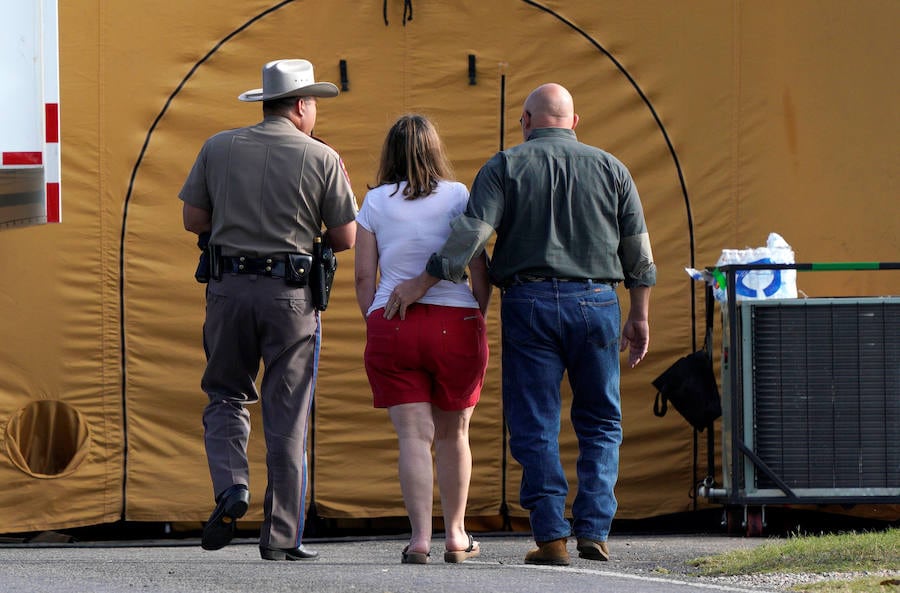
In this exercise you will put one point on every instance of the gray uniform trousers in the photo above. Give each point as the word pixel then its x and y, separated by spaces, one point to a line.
pixel 249 318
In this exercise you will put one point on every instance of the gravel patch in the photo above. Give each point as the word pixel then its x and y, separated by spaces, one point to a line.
pixel 785 581
pixel 671 556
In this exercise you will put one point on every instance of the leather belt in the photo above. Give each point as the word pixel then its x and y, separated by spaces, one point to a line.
pixel 273 266
pixel 528 278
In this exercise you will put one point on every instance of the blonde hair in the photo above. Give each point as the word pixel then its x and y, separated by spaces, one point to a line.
pixel 413 152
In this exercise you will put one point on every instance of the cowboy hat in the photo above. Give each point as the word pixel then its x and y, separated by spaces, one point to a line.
pixel 289 78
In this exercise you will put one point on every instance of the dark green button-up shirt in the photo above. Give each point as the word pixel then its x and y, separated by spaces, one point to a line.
pixel 560 208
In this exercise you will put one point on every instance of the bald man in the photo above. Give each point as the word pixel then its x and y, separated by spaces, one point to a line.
pixel 570 227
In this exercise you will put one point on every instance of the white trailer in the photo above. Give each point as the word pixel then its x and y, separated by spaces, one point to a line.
pixel 29 113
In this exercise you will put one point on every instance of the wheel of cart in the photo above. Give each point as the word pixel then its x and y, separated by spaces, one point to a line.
pixel 748 520
pixel 756 521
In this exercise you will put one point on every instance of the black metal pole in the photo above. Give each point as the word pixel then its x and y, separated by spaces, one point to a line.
pixel 504 508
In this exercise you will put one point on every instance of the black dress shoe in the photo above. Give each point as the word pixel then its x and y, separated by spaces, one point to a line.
pixel 298 553
pixel 230 505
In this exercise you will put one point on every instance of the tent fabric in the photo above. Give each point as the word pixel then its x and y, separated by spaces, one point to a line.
pixel 736 119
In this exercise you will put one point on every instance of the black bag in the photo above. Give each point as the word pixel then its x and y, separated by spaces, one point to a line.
pixel 690 385
pixel 324 268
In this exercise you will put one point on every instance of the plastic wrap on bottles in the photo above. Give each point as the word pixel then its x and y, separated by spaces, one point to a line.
pixel 760 284
pixel 754 284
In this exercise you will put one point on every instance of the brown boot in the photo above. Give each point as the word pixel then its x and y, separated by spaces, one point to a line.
pixel 551 553
pixel 592 550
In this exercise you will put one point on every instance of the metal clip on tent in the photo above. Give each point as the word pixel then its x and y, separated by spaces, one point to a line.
pixel 345 82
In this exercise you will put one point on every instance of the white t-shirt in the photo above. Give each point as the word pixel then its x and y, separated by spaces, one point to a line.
pixel 408 232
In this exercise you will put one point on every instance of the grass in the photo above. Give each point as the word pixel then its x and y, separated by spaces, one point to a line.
pixel 845 552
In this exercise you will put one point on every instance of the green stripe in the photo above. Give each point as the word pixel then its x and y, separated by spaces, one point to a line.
pixel 847 266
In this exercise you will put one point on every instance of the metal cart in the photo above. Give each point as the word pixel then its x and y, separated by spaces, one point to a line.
pixel 811 399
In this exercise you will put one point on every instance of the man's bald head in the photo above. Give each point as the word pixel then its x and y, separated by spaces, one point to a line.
pixel 549 106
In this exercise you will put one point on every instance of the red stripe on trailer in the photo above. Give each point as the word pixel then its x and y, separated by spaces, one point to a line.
pixel 51 114
pixel 53 202
pixel 22 158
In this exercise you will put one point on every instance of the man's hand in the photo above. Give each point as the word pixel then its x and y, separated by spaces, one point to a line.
pixel 635 337
pixel 408 292
pixel 636 332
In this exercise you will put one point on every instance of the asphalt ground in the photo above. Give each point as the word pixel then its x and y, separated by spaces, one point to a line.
pixel 639 564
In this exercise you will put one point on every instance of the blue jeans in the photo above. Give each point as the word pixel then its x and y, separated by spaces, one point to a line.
pixel 548 328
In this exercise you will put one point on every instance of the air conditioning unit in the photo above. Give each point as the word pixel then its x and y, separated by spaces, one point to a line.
pixel 812 412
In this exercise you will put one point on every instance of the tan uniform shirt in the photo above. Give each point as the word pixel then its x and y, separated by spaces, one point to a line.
pixel 270 187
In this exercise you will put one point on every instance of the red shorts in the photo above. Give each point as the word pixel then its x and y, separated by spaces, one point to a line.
pixel 437 354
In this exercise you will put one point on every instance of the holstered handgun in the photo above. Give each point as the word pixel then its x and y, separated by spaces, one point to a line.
pixel 201 275
pixel 210 262
pixel 324 268
pixel 202 272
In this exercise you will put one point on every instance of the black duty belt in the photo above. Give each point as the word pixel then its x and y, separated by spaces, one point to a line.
pixel 263 266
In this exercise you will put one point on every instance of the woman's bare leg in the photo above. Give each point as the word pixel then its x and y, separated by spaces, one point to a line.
pixel 454 471
pixel 415 433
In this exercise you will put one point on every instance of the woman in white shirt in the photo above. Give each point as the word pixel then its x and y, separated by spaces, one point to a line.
pixel 428 368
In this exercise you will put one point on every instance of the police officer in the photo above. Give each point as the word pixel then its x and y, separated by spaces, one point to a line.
pixel 262 193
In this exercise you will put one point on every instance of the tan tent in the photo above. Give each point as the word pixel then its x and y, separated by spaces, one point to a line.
pixel 736 119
